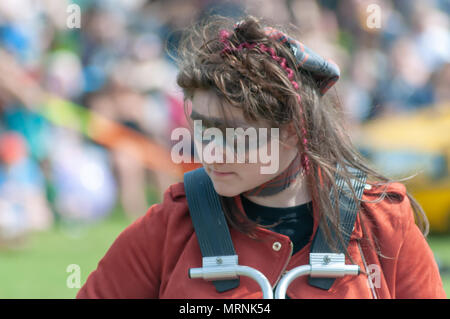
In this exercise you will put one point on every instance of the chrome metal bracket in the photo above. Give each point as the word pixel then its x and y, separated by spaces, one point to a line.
pixel 217 268
pixel 326 265
pixel 330 265
pixel 226 267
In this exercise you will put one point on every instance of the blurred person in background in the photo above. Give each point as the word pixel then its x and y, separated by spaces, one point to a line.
pixel 23 202
pixel 121 104
pixel 84 186
pixel 441 81
pixel 407 86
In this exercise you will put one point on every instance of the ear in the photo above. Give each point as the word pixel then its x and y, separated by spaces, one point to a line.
pixel 289 136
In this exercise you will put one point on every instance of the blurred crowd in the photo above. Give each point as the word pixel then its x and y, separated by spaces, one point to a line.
pixel 118 65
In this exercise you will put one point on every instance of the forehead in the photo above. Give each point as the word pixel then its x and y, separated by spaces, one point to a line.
pixel 206 104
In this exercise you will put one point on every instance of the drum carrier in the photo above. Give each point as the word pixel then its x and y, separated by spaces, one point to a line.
pixel 220 261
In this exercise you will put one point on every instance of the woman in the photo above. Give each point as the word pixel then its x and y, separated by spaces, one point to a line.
pixel 247 75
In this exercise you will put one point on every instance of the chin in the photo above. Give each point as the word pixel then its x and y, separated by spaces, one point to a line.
pixel 226 190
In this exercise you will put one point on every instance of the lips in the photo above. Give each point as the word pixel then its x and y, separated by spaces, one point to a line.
pixel 221 174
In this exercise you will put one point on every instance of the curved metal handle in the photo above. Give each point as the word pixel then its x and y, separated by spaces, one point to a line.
pixel 229 272
pixel 283 284
pixel 327 271
pixel 226 267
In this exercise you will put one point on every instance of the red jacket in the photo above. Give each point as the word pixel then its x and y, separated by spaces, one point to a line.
pixel 151 257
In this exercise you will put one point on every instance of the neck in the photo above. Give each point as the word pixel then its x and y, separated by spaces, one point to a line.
pixel 286 190
pixel 296 194
pixel 280 182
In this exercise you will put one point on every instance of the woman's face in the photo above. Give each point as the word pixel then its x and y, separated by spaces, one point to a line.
pixel 231 178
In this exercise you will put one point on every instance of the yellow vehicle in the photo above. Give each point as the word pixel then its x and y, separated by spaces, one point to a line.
pixel 415 143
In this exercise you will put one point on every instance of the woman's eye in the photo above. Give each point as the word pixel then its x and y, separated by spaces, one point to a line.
pixel 237 140
pixel 199 135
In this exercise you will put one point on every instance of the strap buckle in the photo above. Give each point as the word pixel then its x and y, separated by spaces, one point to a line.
pixel 216 268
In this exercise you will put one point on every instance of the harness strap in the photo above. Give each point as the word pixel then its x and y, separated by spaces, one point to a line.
pixel 209 221
pixel 348 210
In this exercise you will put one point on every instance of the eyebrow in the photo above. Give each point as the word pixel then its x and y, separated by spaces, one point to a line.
pixel 214 121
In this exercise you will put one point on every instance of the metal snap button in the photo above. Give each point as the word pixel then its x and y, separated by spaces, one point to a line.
pixel 276 246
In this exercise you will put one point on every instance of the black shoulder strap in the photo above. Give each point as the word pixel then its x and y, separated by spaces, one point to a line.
pixel 348 210
pixel 209 221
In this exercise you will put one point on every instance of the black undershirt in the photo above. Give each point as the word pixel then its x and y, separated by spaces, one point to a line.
pixel 295 222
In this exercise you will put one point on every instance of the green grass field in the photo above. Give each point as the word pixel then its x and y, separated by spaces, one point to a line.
pixel 38 270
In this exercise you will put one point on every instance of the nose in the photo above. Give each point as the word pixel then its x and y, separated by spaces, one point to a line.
pixel 218 153
pixel 212 151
